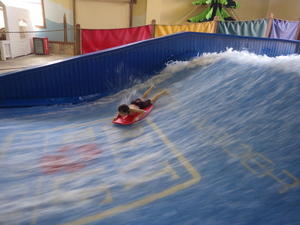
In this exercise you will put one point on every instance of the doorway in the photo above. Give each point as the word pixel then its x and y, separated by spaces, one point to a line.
pixel 2 23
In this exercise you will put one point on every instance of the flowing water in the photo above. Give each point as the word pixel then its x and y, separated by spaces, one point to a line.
pixel 223 147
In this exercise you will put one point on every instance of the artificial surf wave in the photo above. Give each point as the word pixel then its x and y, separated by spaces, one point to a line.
pixel 221 148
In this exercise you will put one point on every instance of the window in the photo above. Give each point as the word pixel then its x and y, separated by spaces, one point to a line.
pixel 36 9
pixel 23 28
pixel 2 24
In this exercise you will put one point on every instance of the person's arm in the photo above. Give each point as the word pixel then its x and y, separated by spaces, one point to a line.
pixel 138 111
pixel 116 116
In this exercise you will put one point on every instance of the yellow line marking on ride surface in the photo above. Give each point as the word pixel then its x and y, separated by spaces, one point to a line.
pixel 175 151
pixel 166 170
pixel 8 139
pixel 34 216
pixel 291 175
pixel 72 125
pixel 196 177
pixel 249 158
pixel 7 142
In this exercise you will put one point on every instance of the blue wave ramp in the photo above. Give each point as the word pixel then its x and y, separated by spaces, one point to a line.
pixel 221 148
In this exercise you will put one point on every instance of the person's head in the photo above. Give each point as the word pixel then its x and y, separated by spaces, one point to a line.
pixel 123 109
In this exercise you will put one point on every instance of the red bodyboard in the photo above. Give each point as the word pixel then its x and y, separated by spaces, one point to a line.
pixel 127 120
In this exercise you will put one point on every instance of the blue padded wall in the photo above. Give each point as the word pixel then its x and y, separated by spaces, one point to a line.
pixel 102 73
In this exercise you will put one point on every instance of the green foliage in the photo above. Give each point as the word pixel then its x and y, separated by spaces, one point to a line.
pixel 202 2
pixel 215 8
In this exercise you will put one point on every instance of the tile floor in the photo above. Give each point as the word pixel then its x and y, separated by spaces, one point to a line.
pixel 28 61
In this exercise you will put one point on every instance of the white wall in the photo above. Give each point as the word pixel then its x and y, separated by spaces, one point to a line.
pixel 19 46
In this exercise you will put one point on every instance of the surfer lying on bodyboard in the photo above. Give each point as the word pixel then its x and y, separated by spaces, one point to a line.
pixel 137 109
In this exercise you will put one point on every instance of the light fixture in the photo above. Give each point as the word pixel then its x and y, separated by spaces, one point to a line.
pixel 22 23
